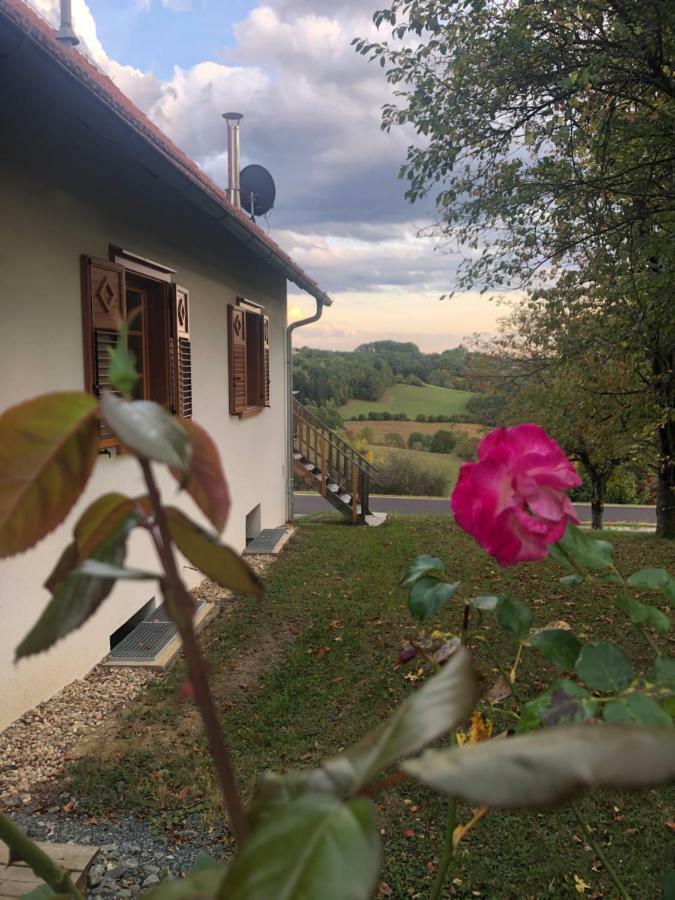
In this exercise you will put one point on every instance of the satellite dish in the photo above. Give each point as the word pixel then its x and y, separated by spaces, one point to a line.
pixel 257 190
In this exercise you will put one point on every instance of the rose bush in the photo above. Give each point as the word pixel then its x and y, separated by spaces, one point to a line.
pixel 514 501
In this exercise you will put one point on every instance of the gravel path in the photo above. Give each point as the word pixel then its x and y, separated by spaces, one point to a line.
pixel 34 753
pixel 133 857
pixel 35 749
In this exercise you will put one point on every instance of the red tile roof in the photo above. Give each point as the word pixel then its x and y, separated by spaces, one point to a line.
pixel 77 64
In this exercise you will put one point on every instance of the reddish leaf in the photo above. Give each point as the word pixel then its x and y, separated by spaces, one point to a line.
pixel 218 562
pixel 95 525
pixel 206 482
pixel 99 521
pixel 48 447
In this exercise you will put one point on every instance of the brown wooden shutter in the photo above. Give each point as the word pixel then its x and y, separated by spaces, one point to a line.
pixel 236 329
pixel 103 309
pixel 266 361
pixel 180 352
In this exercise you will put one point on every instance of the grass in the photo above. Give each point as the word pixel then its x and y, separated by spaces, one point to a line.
pixel 309 669
pixel 405 429
pixel 406 398
pixel 446 463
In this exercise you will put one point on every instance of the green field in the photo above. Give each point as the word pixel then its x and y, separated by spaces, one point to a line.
pixel 406 398
pixel 447 463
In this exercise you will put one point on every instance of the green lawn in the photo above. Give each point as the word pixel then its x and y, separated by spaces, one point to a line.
pixel 405 398
pixel 447 463
pixel 309 669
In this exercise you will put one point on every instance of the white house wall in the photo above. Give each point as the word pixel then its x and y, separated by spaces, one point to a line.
pixel 43 230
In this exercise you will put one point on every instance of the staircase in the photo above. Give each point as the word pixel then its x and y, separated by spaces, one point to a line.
pixel 329 465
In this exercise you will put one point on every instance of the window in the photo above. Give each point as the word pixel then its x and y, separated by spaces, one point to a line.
pixel 248 358
pixel 159 332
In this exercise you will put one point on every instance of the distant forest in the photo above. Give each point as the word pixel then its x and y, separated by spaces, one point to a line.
pixel 329 378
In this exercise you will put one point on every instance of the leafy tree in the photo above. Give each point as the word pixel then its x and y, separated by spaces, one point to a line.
pixel 328 413
pixel 548 134
pixel 582 394
pixel 443 442
pixel 418 441
pixel 394 439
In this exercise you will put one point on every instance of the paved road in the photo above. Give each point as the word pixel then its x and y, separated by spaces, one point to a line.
pixel 313 503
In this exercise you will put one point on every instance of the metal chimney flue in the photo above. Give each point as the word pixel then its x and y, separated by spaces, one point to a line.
pixel 233 161
pixel 66 33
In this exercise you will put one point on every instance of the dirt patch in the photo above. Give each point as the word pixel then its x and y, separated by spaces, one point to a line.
pixel 405 429
pixel 91 715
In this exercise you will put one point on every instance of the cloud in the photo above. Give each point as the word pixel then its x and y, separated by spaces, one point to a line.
pixel 311 110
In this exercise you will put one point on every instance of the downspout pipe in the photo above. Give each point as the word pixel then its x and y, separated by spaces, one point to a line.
pixel 321 301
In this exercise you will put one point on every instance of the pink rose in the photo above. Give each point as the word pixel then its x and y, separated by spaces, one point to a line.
pixel 513 500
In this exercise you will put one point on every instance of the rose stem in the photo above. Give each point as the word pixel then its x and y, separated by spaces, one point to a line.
pixel 611 871
pixel 29 852
pixel 195 664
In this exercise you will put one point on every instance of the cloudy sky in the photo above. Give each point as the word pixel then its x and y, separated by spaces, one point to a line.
pixel 311 116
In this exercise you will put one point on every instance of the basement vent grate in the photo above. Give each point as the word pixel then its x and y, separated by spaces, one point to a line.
pixel 145 642
pixel 161 615
pixel 266 541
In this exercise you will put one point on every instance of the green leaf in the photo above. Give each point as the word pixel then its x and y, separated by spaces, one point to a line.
pixel 315 846
pixel 636 709
pixel 421 566
pixel 218 562
pixel 98 569
pixel 658 620
pixel 663 671
pixel 67 563
pixel 48 447
pixel 122 368
pixel 536 770
pixel 654 580
pixel 637 612
pixel 564 702
pixel 587 552
pixel 514 617
pixel 441 704
pixel 668 885
pixel 603 667
pixel 427 596
pixel 202 883
pixel 484 602
pixel 78 596
pixel 206 482
pixel 148 430
pixel 558 646
pixel 571 580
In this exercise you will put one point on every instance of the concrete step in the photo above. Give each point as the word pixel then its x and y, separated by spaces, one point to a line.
pixel 375 519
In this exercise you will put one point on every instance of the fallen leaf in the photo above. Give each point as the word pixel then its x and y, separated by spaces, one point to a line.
pixel 500 690
pixel 383 890
pixel 580 886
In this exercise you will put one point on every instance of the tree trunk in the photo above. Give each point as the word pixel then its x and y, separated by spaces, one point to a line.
pixel 665 482
pixel 598 483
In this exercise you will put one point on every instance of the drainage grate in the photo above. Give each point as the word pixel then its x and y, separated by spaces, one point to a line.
pixel 145 642
pixel 266 541
pixel 161 615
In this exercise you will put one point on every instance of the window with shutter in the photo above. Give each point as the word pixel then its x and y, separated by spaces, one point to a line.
pixel 103 307
pixel 236 321
pixel 158 316
pixel 181 353
pixel 266 361
pixel 248 358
